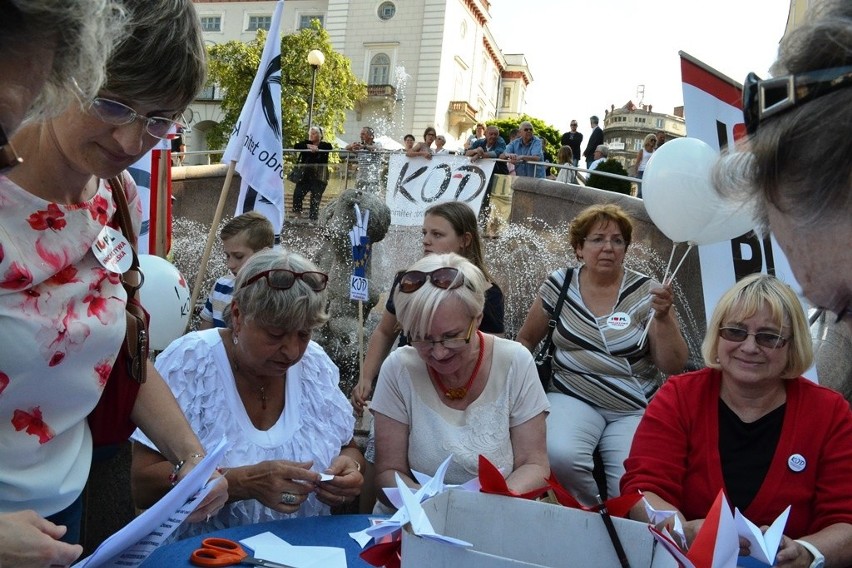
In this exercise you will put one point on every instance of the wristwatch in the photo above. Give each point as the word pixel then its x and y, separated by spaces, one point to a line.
pixel 819 559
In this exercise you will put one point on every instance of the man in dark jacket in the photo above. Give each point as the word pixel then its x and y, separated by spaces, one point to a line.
pixel 595 140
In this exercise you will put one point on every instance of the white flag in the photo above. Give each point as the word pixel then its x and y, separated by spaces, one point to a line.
pixel 255 143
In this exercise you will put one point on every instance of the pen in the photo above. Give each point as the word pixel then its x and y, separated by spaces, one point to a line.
pixel 613 535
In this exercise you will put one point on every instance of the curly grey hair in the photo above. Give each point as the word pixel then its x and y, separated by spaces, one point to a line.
pixel 85 33
pixel 798 161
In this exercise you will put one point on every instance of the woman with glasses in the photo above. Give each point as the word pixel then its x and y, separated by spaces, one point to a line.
pixel 62 307
pixel 423 149
pixel 455 390
pixel 794 165
pixel 272 392
pixel 750 425
pixel 604 372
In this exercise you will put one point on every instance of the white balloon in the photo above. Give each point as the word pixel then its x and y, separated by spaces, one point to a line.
pixel 165 296
pixel 680 199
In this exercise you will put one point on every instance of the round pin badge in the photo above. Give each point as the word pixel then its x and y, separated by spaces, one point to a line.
pixel 618 320
pixel 796 462
pixel 113 251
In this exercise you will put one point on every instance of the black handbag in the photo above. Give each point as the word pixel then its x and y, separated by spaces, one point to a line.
pixel 296 174
pixel 544 359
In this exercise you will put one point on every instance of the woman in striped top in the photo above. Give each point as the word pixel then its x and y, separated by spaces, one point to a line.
pixel 603 375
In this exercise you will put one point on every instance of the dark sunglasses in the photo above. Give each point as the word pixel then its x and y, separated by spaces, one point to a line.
pixel 762 338
pixel 446 278
pixel 8 157
pixel 763 99
pixel 283 279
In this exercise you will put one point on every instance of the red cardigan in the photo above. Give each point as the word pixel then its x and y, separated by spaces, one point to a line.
pixel 675 454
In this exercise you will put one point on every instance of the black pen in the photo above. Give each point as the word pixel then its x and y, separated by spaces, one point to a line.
pixel 613 535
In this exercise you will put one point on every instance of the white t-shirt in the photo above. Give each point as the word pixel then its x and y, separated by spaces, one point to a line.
pixel 316 422
pixel 513 395
pixel 61 327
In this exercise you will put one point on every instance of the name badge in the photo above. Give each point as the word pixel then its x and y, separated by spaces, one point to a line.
pixel 113 251
pixel 797 462
pixel 618 320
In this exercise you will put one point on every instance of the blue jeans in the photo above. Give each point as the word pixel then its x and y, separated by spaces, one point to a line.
pixel 71 517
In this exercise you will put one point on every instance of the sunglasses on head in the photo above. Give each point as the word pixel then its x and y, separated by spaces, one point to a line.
pixel 763 99
pixel 762 338
pixel 283 279
pixel 446 278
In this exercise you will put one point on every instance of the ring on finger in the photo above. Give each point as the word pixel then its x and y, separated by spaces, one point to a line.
pixel 289 498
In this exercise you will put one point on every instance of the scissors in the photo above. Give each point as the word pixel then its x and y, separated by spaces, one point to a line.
pixel 225 552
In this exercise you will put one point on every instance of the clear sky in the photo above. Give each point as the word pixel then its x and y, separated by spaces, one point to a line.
pixel 587 55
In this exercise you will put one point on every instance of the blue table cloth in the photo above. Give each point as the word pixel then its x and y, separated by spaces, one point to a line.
pixel 330 530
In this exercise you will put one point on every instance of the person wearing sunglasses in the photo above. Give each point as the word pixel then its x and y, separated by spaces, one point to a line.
pixel 748 423
pixel 272 391
pixel 524 150
pixel 447 227
pixel 455 390
pixel 604 373
pixel 794 163
pixel 62 307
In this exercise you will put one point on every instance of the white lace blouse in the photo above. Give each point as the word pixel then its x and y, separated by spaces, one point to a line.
pixel 316 422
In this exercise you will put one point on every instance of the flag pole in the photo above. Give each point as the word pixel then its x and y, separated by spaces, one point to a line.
pixel 211 235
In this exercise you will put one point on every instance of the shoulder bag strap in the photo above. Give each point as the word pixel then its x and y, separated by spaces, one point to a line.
pixel 547 348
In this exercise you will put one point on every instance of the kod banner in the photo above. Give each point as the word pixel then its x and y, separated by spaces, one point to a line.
pixel 415 184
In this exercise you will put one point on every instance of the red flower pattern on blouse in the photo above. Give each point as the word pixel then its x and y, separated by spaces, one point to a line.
pixel 102 370
pixel 17 277
pixel 65 276
pixel 68 335
pixel 33 423
pixel 99 209
pixel 51 218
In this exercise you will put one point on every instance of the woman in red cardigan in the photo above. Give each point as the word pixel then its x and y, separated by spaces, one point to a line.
pixel 750 425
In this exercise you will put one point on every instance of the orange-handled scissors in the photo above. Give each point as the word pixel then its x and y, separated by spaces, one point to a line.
pixel 223 552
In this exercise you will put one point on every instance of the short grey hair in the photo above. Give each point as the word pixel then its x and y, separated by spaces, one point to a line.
pixel 162 57
pixel 416 310
pixel 603 149
pixel 294 309
pixel 85 32
pixel 594 119
pixel 798 161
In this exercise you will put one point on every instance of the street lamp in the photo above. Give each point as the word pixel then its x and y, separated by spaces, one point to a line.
pixel 315 59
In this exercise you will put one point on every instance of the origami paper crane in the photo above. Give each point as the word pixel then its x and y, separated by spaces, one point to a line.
pixel 492 481
pixel 617 506
pixel 435 485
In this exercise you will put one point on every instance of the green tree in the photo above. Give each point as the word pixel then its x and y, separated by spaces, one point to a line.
pixel 234 64
pixel 543 130
pixel 610 166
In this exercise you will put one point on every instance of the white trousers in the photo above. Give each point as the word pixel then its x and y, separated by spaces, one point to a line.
pixel 574 430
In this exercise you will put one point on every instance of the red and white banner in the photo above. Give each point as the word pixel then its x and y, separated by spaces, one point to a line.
pixel 155 197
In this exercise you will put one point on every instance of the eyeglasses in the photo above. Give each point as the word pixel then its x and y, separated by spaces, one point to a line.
pixel 573 124
pixel 527 129
pixel 765 98
pixel 8 157
pixel 762 338
pixel 283 279
pixel 448 343
pixel 599 242
pixel 446 278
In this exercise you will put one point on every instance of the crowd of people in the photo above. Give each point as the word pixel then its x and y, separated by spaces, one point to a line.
pixel 748 423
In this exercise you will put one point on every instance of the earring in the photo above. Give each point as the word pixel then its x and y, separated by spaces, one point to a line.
pixel 235 339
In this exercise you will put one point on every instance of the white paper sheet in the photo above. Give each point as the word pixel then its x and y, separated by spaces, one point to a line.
pixel 763 546
pixel 267 546
pixel 135 542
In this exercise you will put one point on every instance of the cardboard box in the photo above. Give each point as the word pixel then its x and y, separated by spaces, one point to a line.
pixel 510 532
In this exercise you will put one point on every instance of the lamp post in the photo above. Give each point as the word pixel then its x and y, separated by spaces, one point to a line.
pixel 315 59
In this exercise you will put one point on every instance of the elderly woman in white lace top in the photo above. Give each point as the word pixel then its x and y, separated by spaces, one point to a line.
pixel 272 392
pixel 455 390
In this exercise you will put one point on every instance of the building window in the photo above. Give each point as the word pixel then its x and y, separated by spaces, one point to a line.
pixel 305 21
pixel 387 10
pixel 379 70
pixel 507 97
pixel 211 23
pixel 259 23
pixel 660 123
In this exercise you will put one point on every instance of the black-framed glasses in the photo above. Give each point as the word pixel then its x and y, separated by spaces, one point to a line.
pixel 446 278
pixel 8 157
pixel 762 338
pixel 763 99
pixel 283 279
pixel 447 343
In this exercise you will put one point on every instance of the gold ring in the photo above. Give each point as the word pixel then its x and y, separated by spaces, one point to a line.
pixel 289 498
